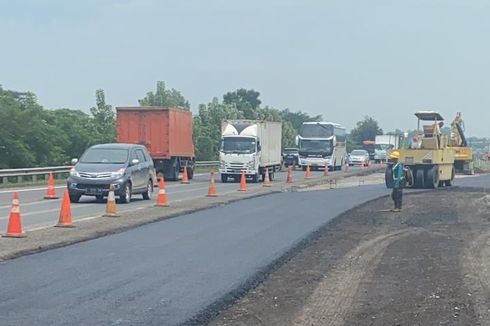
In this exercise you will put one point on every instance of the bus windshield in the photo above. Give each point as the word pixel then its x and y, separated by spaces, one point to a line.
pixel 316 146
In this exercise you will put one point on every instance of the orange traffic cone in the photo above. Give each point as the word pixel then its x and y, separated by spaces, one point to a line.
pixel 51 192
pixel 243 182
pixel 14 228
pixel 162 195
pixel 65 213
pixel 308 172
pixel 267 180
pixel 212 186
pixel 290 175
pixel 110 207
pixel 325 173
pixel 185 176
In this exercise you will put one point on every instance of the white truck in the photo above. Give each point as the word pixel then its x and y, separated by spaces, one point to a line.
pixel 249 146
pixel 383 144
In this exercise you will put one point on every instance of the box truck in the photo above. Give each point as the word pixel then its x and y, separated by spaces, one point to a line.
pixel 250 146
pixel 166 133
pixel 384 144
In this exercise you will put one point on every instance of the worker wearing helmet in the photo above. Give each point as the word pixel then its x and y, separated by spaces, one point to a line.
pixel 399 181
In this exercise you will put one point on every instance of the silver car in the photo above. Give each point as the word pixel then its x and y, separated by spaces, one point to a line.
pixel 359 157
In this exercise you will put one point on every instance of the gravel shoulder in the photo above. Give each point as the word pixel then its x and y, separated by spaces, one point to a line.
pixel 428 265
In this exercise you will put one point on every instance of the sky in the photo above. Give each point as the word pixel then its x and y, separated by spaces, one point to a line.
pixel 343 59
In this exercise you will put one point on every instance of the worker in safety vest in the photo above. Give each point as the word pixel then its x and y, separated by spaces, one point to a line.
pixel 399 181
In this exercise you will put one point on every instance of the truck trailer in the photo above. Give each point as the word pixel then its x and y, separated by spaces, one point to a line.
pixel 250 146
pixel 167 134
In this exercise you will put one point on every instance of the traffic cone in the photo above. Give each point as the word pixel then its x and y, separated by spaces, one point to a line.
pixel 212 186
pixel 110 207
pixel 308 172
pixel 243 182
pixel 267 180
pixel 325 173
pixel 65 213
pixel 162 195
pixel 346 167
pixel 51 192
pixel 185 177
pixel 14 228
pixel 290 175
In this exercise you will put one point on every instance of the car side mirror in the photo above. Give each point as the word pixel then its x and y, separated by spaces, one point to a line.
pixel 74 161
pixel 135 161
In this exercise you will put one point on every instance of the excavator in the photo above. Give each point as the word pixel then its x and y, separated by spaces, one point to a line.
pixel 463 154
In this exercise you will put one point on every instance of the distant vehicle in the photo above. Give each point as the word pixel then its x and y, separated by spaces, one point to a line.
pixel 250 146
pixel 370 146
pixel 166 133
pixel 322 145
pixel 383 145
pixel 127 167
pixel 359 157
pixel 290 156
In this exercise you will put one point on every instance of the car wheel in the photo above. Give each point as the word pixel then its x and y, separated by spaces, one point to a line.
pixel 126 194
pixel 74 198
pixel 149 191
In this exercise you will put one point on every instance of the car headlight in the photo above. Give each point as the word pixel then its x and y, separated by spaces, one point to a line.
pixel 74 173
pixel 119 173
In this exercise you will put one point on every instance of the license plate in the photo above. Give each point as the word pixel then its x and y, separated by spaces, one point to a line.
pixel 94 190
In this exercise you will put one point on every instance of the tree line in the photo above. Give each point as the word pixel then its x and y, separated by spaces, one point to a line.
pixel 32 136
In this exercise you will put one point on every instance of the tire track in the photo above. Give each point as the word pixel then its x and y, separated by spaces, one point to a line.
pixel 332 299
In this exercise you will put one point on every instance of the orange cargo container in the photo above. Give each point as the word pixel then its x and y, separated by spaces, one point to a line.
pixel 166 132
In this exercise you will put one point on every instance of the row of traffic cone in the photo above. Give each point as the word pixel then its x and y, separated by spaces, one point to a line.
pixel 14 227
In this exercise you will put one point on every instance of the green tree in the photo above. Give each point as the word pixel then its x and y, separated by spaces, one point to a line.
pixel 366 129
pixel 164 97
pixel 246 101
pixel 104 119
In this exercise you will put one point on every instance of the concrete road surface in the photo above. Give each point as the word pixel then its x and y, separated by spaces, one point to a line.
pixel 164 273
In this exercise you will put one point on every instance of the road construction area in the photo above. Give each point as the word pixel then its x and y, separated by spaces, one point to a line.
pixel 428 265
pixel 186 270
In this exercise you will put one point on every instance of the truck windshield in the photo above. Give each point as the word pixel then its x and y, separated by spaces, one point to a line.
pixel 316 131
pixel 239 145
pixel 105 156
pixel 316 146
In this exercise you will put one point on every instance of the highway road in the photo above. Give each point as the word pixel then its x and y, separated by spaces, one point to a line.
pixel 166 272
pixel 38 212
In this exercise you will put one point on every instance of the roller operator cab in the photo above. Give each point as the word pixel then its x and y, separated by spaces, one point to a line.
pixel 250 146
pixel 429 160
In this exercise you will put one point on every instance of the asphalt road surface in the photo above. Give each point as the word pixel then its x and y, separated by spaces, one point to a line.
pixel 38 212
pixel 166 272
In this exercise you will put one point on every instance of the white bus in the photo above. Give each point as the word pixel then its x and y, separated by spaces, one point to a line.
pixel 322 145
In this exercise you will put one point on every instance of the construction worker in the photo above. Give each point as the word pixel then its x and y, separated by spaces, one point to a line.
pixel 399 181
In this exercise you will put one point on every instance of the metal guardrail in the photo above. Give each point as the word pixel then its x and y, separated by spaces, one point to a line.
pixel 33 173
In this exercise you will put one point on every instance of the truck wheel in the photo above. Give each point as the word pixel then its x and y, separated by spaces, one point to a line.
pixel 126 194
pixel 224 178
pixel 175 172
pixel 419 178
pixel 432 180
pixel 149 191
pixel 449 183
pixel 190 172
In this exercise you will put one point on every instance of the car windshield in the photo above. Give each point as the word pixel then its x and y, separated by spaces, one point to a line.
pixel 358 153
pixel 239 145
pixel 105 156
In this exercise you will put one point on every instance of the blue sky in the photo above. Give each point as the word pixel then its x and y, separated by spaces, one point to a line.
pixel 343 59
